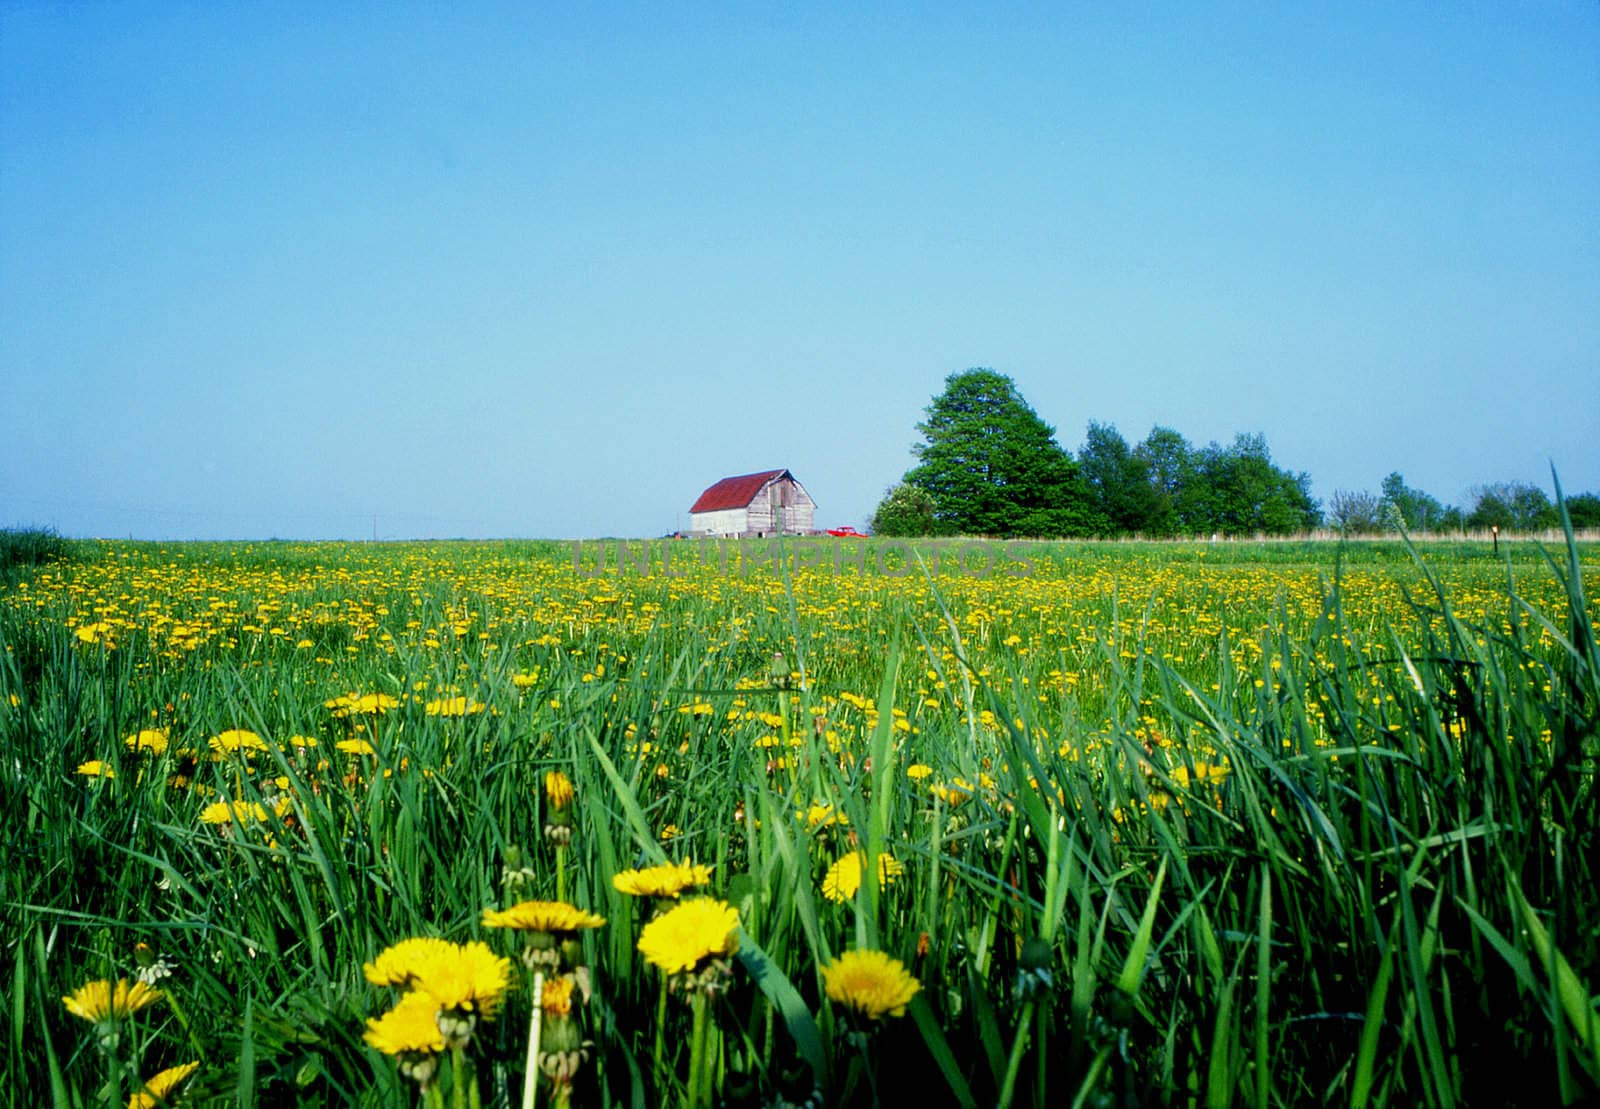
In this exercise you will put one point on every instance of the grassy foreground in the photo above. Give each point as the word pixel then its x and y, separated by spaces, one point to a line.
pixel 1167 824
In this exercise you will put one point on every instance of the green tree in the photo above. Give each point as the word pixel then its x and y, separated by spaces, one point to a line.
pixel 904 510
pixel 1119 480
pixel 1416 509
pixel 1169 464
pixel 1512 506
pixel 993 467
pixel 1240 492
pixel 1584 510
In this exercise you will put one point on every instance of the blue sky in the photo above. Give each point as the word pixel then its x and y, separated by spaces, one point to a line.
pixel 320 271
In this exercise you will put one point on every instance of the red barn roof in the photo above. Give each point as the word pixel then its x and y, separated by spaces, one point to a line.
pixel 735 492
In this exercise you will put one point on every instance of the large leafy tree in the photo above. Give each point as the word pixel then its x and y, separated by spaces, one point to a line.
pixel 1240 491
pixel 1512 506
pixel 1121 482
pixel 1584 510
pixel 1169 462
pixel 993 467
pixel 1416 510
pixel 904 510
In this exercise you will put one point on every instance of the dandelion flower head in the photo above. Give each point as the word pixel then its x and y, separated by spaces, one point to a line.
pixel 556 1000
pixel 462 976
pixel 558 789
pixel 542 916
pixel 693 930
pixel 397 965
pixel 844 876
pixel 453 706
pixel 147 740
pixel 104 1000
pixel 235 740
pixel 233 812
pixel 360 704
pixel 161 1086
pixel 666 880
pixel 412 1026
pixel 871 983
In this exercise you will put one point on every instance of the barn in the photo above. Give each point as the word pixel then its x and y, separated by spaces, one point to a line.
pixel 753 506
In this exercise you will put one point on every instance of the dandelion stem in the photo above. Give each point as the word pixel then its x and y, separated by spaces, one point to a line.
pixel 697 1052
pixel 1018 1046
pixel 1041 1054
pixel 458 1078
pixel 530 1080
pixel 661 1025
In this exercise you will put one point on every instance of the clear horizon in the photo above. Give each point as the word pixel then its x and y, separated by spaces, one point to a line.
pixel 314 274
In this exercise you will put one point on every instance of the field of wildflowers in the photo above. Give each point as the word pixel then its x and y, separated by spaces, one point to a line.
pixel 1102 825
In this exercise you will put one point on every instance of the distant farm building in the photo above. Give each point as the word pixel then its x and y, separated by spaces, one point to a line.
pixel 753 506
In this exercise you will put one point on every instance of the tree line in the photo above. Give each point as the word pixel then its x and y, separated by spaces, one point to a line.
pixel 987 464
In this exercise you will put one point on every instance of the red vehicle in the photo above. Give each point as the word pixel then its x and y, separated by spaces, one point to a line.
pixel 846 532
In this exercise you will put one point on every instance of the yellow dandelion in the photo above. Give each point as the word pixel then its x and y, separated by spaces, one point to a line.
pixel 147 741
pixel 452 706
pixel 95 768
pixel 103 1000
pixel 1203 773
pixel 822 816
pixel 542 916
pixel 871 983
pixel 954 792
pixel 360 704
pixel 396 965
pixel 160 1088
pixel 463 976
pixel 666 880
pixel 233 812
pixel 693 930
pixel 355 747
pixel 558 789
pixel 556 1000
pixel 844 876
pixel 918 771
pixel 411 1027
pixel 235 740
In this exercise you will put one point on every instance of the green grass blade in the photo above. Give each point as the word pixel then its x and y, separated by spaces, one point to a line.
pixel 939 1048
pixel 787 1001
pixel 1133 966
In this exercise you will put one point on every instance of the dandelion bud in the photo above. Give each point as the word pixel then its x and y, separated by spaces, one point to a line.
pixel 1121 1010
pixel 1034 968
pixel 560 1034
pixel 420 1068
pixel 1037 954
pixel 541 959
pixel 457 1026
pixel 561 1067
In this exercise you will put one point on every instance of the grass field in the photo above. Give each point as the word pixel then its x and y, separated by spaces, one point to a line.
pixel 1251 824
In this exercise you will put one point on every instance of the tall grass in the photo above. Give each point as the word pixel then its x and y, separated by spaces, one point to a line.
pixel 1274 843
